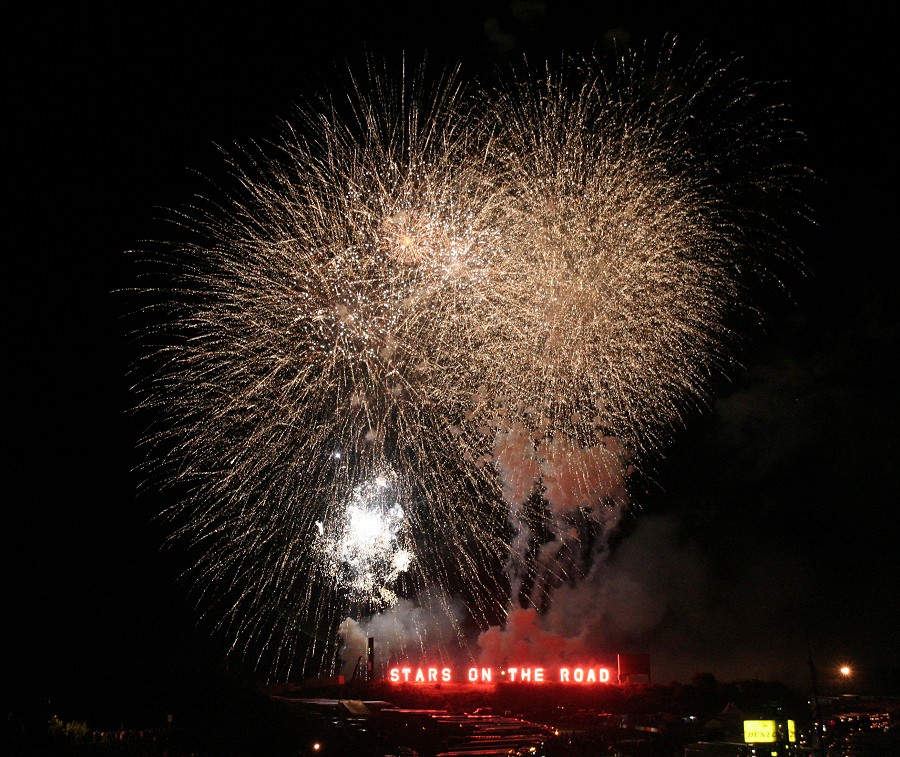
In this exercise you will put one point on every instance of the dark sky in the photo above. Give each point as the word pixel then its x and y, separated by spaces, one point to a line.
pixel 779 499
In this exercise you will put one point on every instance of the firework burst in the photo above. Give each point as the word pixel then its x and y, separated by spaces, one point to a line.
pixel 631 218
pixel 304 353
pixel 423 308
pixel 636 209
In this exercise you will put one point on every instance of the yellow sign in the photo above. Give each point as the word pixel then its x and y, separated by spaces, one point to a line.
pixel 759 731
pixel 792 731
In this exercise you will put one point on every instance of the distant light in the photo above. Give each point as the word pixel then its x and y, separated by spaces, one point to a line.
pixel 316 747
pixel 845 670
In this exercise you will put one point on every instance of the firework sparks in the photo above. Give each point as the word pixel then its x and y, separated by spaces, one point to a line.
pixel 369 548
pixel 429 311
pixel 628 203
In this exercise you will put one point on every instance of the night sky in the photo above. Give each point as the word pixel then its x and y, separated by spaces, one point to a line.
pixel 776 504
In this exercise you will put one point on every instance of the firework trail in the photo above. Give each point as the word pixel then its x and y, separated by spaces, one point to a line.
pixel 430 336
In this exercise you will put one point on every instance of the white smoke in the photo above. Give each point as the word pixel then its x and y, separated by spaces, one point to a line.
pixel 646 583
pixel 517 464
pixel 585 478
pixel 583 490
pixel 420 630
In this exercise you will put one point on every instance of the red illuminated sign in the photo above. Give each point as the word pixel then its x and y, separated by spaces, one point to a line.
pixel 575 674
